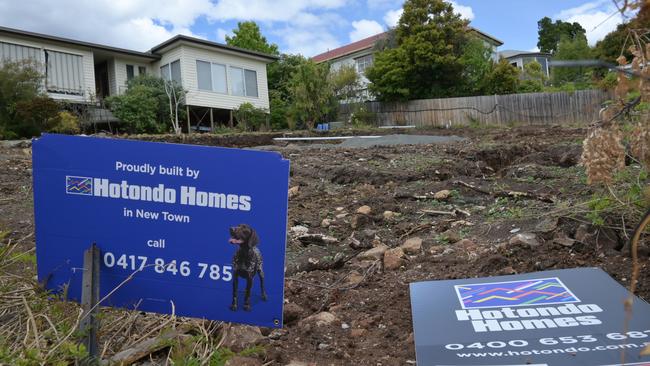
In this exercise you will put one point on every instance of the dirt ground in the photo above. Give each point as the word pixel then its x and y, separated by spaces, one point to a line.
pixel 499 202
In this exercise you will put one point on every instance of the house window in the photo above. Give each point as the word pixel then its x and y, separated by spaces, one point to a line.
pixel 130 72
pixel 211 77
pixel 219 78
pixel 171 71
pixel 63 73
pixel 363 63
pixel 142 70
pixel 251 83
pixel 204 75
pixel 237 86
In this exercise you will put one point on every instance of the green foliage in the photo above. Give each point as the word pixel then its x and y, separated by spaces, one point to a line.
pixel 362 118
pixel 279 111
pixel 609 81
pixel 248 36
pixel 345 82
pixel 572 49
pixel 137 109
pixel 24 108
pixel 250 117
pixel 65 122
pixel 503 79
pixel 311 93
pixel 144 107
pixel 427 60
pixel 223 354
pixel 477 59
pixel 279 79
pixel 597 206
pixel 551 33
pixel 533 78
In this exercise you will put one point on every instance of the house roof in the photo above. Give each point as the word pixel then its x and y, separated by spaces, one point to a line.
pixel 370 42
pixel 221 46
pixel 350 48
pixel 46 37
pixel 518 53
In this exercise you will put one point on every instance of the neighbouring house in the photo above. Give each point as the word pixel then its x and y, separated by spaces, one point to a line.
pixel 520 58
pixel 360 54
pixel 218 78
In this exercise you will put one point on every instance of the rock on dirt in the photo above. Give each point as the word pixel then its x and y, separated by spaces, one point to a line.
pixel 317 239
pixel 374 253
pixel 240 337
pixel 293 192
pixel 528 239
pixel 393 258
pixel 412 246
pixel 364 210
pixel 320 319
pixel 325 223
pixel 299 230
pixel 389 215
pixel 442 195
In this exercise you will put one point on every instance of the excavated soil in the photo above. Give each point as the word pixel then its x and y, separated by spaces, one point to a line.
pixel 500 183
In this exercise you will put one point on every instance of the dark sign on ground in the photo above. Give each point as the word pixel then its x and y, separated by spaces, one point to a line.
pixel 555 318
pixel 202 228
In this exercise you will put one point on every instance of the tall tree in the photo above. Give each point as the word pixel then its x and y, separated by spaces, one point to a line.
pixel 571 49
pixel 477 59
pixel 311 93
pixel 248 36
pixel 427 60
pixel 503 78
pixel 550 33
pixel 614 43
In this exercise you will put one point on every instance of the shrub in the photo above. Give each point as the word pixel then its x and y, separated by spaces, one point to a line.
pixel 65 122
pixel 24 108
pixel 250 117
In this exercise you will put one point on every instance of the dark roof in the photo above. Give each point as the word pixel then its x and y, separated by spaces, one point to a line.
pixel 78 43
pixel 222 46
pixel 370 42
pixel 350 48
pixel 496 40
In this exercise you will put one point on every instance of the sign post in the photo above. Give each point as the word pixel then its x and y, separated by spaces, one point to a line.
pixel 198 229
pixel 89 324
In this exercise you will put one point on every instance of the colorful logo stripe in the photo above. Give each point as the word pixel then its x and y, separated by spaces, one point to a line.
pixel 543 291
pixel 79 185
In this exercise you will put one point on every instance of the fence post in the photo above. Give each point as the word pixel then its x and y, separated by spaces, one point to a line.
pixel 496 108
pixel 89 324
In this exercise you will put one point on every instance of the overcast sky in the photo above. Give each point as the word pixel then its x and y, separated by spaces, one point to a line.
pixel 308 27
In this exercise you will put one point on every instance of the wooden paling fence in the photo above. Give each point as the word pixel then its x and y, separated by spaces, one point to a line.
pixel 579 107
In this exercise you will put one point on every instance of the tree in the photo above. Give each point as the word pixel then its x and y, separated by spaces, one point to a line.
pixel 572 49
pixel 551 33
pixel 311 93
pixel 533 78
pixel 503 79
pixel 279 78
pixel 477 59
pixel 248 36
pixel 25 110
pixel 427 60
pixel 345 83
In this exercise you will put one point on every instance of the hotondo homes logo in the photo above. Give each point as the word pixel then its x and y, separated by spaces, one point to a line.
pixel 522 305
pixel 79 185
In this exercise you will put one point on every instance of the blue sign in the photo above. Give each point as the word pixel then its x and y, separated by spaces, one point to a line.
pixel 553 318
pixel 200 230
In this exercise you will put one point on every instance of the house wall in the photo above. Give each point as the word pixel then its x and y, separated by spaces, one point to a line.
pixel 350 60
pixel 195 97
pixel 521 61
pixel 117 77
pixel 88 65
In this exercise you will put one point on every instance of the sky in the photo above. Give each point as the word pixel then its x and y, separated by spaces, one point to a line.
pixel 308 27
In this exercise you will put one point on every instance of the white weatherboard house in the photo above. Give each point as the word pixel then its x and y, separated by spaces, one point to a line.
pixel 218 78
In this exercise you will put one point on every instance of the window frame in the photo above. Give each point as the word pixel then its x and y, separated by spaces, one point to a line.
pixel 170 73
pixel 132 68
pixel 227 78
pixel 363 60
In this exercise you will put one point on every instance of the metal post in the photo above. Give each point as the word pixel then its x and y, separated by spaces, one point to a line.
pixel 187 109
pixel 89 324
pixel 211 121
